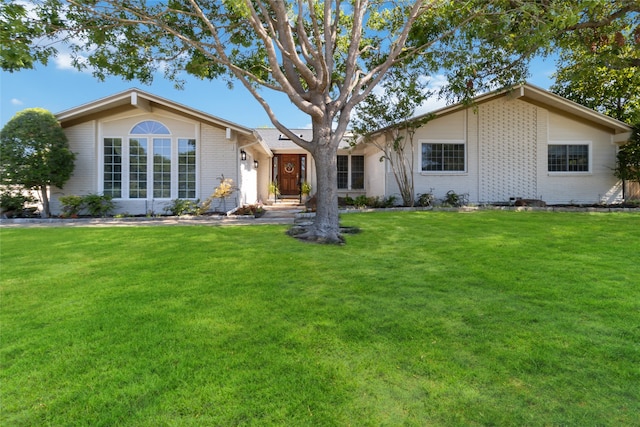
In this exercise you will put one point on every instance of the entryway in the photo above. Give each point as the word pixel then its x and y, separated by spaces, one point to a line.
pixel 289 171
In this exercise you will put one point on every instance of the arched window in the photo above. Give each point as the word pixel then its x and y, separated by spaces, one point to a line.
pixel 152 163
pixel 150 127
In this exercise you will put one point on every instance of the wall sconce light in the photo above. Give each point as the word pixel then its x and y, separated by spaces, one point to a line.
pixel 255 164
pixel 243 155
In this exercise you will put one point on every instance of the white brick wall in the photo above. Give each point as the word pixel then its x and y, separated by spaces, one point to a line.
pixel 217 157
pixel 508 150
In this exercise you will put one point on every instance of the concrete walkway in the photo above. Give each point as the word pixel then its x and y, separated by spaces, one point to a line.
pixel 279 214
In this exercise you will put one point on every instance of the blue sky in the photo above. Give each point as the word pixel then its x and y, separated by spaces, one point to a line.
pixel 58 87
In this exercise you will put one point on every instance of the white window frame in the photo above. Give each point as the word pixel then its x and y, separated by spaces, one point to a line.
pixel 350 171
pixel 126 163
pixel 589 170
pixel 462 142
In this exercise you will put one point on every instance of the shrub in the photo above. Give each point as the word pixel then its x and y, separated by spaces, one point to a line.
pixel 183 207
pixel 388 202
pixel 425 199
pixel 71 205
pixel 14 201
pixel 362 201
pixel 305 189
pixel 255 210
pixel 454 199
pixel 98 205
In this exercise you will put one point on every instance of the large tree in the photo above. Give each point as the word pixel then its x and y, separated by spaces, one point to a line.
pixel 326 57
pixel 35 154
pixel 599 61
pixel 583 78
pixel 497 51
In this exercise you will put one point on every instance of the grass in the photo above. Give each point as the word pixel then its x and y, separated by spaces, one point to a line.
pixel 424 318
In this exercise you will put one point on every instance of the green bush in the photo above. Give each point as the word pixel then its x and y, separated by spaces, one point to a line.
pixel 14 201
pixel 363 201
pixel 94 204
pixel 98 205
pixel 425 199
pixel 455 200
pixel 183 207
pixel 71 205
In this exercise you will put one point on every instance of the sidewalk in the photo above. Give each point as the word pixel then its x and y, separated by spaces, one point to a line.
pixel 279 214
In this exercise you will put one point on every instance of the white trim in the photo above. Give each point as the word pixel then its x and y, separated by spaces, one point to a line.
pixel 126 163
pixel 350 171
pixel 589 144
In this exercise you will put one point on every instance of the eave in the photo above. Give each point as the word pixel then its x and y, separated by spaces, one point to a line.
pixel 135 99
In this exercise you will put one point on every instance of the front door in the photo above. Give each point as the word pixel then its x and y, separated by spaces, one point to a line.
pixel 288 172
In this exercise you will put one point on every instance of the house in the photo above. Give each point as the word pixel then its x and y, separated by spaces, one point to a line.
pixel 145 151
pixel 525 142
pixel 522 142
pixel 292 165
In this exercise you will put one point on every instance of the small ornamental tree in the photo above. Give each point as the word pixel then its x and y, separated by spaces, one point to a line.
pixel 35 154
pixel 392 110
pixel 628 164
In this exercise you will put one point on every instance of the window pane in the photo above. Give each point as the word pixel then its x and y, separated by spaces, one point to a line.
pixel 568 158
pixel 431 160
pixel 343 171
pixel 112 179
pixel 187 168
pixel 578 158
pixel 137 168
pixel 557 158
pixel 357 172
pixel 162 168
pixel 453 157
pixel 150 127
pixel 443 157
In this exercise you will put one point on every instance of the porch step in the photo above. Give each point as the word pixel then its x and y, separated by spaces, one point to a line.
pixel 286 203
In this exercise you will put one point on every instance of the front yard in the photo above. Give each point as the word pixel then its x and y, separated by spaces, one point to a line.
pixel 424 318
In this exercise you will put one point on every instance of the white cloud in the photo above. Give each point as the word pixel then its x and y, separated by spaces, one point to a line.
pixel 64 61
pixel 434 102
pixel 16 101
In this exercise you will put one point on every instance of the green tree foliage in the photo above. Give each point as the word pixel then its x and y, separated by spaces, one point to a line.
pixel 583 78
pixel 34 153
pixel 628 165
pixel 326 57
pixel 609 30
pixel 495 50
pixel 22 34
pixel 599 60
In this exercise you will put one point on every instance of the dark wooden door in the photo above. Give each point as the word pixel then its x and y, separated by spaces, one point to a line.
pixel 289 174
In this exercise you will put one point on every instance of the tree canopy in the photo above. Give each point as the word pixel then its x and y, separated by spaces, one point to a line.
pixel 34 153
pixel 598 65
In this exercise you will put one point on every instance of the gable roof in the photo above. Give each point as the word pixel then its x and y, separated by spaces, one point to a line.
pixel 544 98
pixel 277 141
pixel 132 99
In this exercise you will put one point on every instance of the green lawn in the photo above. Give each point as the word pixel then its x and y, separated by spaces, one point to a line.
pixel 424 318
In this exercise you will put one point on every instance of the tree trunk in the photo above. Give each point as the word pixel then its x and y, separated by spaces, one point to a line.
pixel 326 227
pixel 46 211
